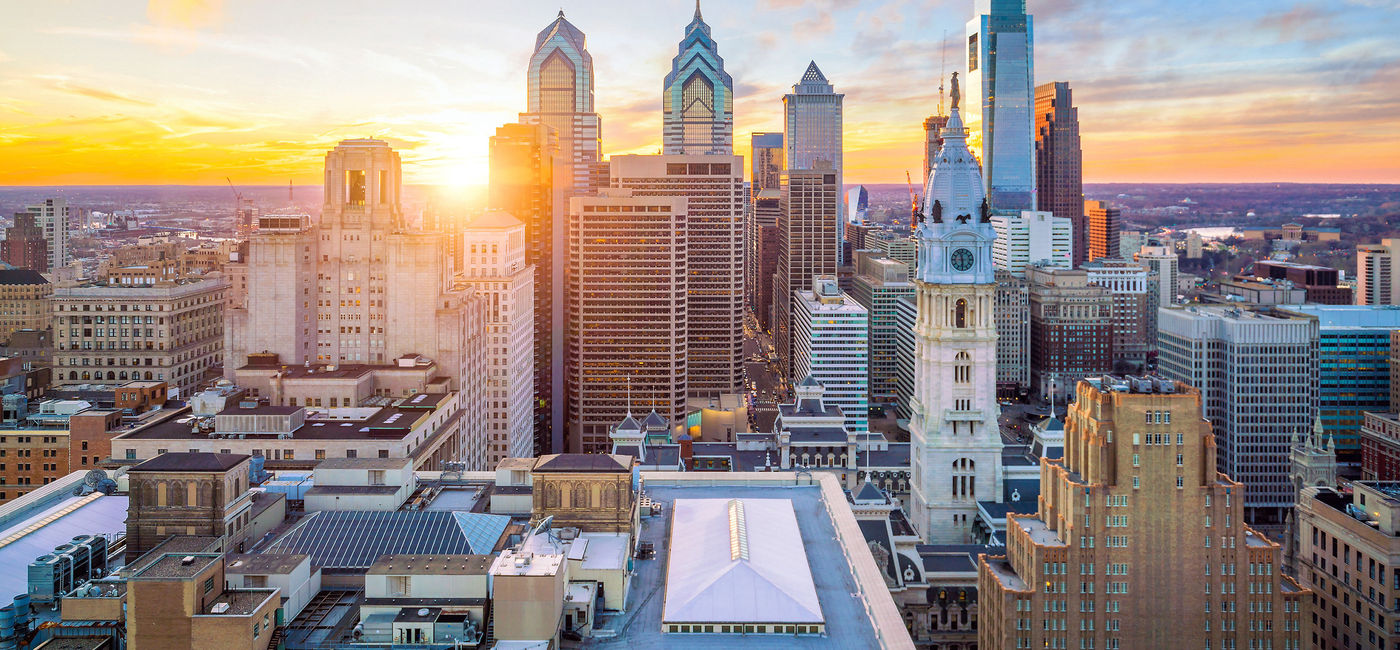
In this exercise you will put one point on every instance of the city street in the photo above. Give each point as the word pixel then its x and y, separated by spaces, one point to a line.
pixel 767 386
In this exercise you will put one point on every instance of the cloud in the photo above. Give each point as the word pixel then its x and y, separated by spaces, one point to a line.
pixel 1300 23
pixel 188 14
pixel 264 48
pixel 63 84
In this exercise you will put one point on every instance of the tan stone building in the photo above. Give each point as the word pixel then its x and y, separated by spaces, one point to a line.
pixel 1138 540
pixel 591 492
pixel 359 287
pixel 187 493
pixel 181 601
pixel 24 302
pixel 1349 555
pixel 171 332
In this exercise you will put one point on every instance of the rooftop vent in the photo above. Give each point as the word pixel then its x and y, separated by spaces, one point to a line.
pixel 187 560
pixel 219 608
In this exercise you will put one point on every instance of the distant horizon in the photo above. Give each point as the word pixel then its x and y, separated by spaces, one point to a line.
pixel 848 183
pixel 188 92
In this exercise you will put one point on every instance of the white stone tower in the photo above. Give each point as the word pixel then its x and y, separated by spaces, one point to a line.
pixel 956 445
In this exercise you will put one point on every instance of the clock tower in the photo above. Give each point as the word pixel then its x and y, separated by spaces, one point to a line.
pixel 955 441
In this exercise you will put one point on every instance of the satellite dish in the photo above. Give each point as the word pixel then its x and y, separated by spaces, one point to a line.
pixel 93 477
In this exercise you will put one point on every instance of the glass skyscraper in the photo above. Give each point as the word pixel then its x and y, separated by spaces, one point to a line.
pixel 560 89
pixel 812 123
pixel 697 104
pixel 1001 102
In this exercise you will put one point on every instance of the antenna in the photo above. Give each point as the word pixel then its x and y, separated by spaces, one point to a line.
pixel 942 70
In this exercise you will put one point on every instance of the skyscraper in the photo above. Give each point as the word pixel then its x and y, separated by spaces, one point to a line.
pixel 766 159
pixel 713 189
pixel 1001 99
pixel 25 246
pixel 1071 329
pixel 522 184
pixel 1127 283
pixel 1059 161
pixel 1163 557
pixel 955 449
pixel 812 124
pixel 53 217
pixel 697 104
pixel 360 287
pixel 627 312
pixel 1103 224
pixel 831 336
pixel 1162 261
pixel 879 285
pixel 808 246
pixel 494 266
pixel 762 255
pixel 1258 376
pixel 559 85
pixel 1378 273
pixel 1013 308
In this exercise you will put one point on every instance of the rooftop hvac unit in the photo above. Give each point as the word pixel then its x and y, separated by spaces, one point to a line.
pixel 219 608
pixel 50 576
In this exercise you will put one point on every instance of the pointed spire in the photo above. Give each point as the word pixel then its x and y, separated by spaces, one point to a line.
pixel 561 11
pixel 697 11
pixel 629 396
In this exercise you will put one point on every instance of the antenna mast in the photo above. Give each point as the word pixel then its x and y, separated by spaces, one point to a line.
pixel 942 71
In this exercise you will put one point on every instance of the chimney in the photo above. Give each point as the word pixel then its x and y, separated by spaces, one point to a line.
pixel 687 451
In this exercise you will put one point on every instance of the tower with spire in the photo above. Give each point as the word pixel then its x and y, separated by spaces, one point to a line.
pixel 697 101
pixel 955 442
pixel 812 119
pixel 1312 459
pixel 559 88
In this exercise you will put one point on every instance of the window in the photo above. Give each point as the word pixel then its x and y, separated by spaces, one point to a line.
pixel 400 586
pixel 960 314
pixel 209 584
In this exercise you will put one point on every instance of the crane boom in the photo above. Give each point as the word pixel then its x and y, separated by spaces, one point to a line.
pixel 913 201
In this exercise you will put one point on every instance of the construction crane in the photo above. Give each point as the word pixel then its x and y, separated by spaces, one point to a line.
pixel 942 71
pixel 913 201
pixel 242 210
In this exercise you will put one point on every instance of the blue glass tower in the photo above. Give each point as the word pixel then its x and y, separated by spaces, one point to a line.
pixel 697 103
pixel 812 123
pixel 1000 111
pixel 559 86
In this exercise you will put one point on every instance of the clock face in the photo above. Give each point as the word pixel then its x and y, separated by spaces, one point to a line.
pixel 962 259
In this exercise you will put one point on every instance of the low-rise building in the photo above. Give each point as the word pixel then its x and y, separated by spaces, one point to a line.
pixel 24 301
pixel 182 601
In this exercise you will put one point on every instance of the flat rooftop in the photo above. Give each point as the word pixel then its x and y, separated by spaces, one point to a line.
pixel 446 565
pixel 240 602
pixel 847 623
pixel 263 563
pixel 34 531
pixel 174 565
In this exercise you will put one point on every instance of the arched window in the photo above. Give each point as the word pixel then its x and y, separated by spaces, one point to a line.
pixel 962 368
pixel 964 475
pixel 73 375
pixel 960 314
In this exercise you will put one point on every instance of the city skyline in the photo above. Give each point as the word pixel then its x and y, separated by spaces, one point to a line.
pixel 191 92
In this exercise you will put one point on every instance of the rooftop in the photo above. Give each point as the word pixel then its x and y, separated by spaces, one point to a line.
pixel 34 526
pixel 453 565
pixel 355 540
pixel 176 565
pixel 583 463
pixel 364 463
pixel 187 461
pixel 847 614
pixel 263 563
pixel 238 602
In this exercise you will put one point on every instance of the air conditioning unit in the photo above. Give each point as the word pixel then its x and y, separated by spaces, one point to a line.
pixel 219 608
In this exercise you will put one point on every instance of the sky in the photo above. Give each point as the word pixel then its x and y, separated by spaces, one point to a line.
pixel 194 91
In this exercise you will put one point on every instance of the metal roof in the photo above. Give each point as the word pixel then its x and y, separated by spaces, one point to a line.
pixel 354 539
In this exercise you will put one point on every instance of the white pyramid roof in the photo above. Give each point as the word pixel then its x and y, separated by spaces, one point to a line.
pixel 725 568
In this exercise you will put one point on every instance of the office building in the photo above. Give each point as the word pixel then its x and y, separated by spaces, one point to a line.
pixel 559 89
pixel 697 105
pixel 933 141
pixel 809 216
pixel 25 245
pixel 1127 284
pixel 1395 371
pixel 1353 370
pixel 494 267
pixel 1378 273
pixel 523 159
pixel 1001 102
pixel 1195 245
pixel 1163 555
pixel 1072 329
pixel 1320 282
pixel 906 312
pixel 955 442
pixel 628 311
pixel 1161 260
pixel 1013 321
pixel 358 287
pixel 812 123
pixel 24 301
pixel 879 286
pixel 1132 241
pixel 898 247
pixel 1059 161
pixel 1103 225
pixel 179 340
pixel 1029 238
pixel 831 345
pixel 713 189
pixel 1354 585
pixel 58 437
pixel 1380 446
pixel 766 159
pixel 1258 377
pixel 182 600
pixel 53 217
pixel 762 254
